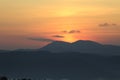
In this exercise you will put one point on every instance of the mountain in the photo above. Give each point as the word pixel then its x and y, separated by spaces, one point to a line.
pixel 57 46
pixel 83 46
pixel 86 44
pixel 80 60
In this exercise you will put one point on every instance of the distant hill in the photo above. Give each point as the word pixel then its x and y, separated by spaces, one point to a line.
pixel 4 51
pixel 57 46
pixel 82 46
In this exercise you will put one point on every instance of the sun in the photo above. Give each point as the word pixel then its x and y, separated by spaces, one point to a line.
pixel 69 38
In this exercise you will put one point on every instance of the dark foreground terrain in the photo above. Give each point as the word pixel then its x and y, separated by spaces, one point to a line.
pixel 73 66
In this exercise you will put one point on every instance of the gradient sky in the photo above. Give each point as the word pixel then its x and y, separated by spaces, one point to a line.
pixel 35 23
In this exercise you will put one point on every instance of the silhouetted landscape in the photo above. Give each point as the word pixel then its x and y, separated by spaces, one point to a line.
pixel 81 60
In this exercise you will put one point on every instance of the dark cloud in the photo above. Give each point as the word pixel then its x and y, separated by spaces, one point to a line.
pixel 41 39
pixel 64 31
pixel 71 31
pixel 114 24
pixel 58 36
pixel 107 24
pixel 74 31
pixel 104 25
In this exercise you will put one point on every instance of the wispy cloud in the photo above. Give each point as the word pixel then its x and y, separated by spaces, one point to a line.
pixel 107 24
pixel 58 36
pixel 41 39
pixel 72 31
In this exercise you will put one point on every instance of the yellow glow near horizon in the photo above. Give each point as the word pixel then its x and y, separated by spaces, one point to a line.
pixel 65 12
pixel 69 38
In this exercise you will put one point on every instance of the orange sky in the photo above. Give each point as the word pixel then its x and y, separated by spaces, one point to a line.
pixel 66 20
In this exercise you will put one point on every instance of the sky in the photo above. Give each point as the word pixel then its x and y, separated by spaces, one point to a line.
pixel 35 23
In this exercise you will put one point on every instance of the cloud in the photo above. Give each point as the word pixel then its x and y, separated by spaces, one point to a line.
pixel 64 31
pixel 71 31
pixel 41 39
pixel 114 24
pixel 58 36
pixel 104 25
pixel 107 24
pixel 74 31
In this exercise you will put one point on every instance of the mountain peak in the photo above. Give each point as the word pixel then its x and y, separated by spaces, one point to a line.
pixel 83 41
pixel 57 46
pixel 86 42
pixel 83 46
pixel 60 42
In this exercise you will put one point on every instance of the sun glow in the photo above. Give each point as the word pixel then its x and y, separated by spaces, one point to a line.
pixel 66 12
pixel 69 38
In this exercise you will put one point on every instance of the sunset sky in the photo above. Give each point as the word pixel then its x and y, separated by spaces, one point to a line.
pixel 35 23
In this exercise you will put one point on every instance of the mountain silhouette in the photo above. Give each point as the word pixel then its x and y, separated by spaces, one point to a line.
pixel 81 46
pixel 57 46
pixel 86 43
pixel 84 46
pixel 80 60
